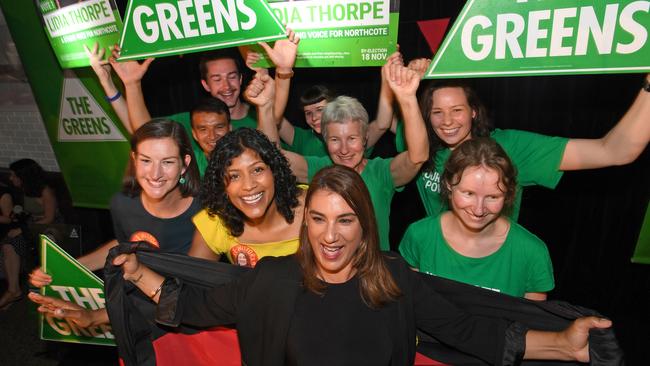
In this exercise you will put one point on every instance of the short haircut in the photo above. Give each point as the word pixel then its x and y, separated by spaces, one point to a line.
pixel 210 105
pixel 160 128
pixel 316 94
pixel 344 109
pixel 486 152
pixel 222 54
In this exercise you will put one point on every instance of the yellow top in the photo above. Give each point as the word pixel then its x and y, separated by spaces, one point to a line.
pixel 218 238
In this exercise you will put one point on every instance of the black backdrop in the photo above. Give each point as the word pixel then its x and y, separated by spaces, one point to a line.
pixel 590 222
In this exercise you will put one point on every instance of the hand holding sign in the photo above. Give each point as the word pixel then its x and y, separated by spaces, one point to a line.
pixel 62 309
pixel 403 81
pixel 283 53
pixel 39 279
pixel 130 72
pixel 99 65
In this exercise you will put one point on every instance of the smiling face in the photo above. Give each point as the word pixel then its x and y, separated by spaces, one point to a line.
pixel 158 167
pixel 208 128
pixel 346 144
pixel 334 233
pixel 478 198
pixel 250 185
pixel 451 116
pixel 223 81
pixel 313 113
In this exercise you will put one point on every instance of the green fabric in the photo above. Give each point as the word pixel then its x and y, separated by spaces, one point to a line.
pixel 380 184
pixel 536 157
pixel 306 142
pixel 521 265
pixel 183 119
pixel 642 251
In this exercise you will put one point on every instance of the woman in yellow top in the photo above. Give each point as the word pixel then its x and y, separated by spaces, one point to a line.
pixel 251 202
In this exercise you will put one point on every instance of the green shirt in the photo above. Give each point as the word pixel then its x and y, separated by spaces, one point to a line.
pixel 521 265
pixel 536 157
pixel 250 120
pixel 379 181
pixel 307 142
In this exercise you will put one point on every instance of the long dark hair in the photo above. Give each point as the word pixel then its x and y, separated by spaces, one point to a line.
pixel 32 176
pixel 160 128
pixel 376 285
pixel 481 151
pixel 232 145
pixel 481 124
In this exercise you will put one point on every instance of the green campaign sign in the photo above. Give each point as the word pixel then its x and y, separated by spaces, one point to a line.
pixel 71 282
pixel 155 28
pixel 71 24
pixel 544 37
pixel 340 33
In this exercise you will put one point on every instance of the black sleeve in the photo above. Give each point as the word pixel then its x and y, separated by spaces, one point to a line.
pixel 118 210
pixel 482 337
pixel 183 303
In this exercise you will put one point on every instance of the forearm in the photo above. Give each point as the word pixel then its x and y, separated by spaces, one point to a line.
pixel 98 317
pixel 414 130
pixel 266 122
pixel 546 346
pixel 137 109
pixel 282 87
pixel 96 259
pixel 148 281
pixel 385 112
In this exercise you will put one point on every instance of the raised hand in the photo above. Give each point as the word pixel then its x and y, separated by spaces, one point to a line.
pixel 420 66
pixel 252 58
pixel 403 81
pixel 261 90
pixel 129 71
pixel 100 66
pixel 283 53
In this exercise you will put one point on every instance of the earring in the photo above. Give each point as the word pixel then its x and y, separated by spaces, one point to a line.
pixel 182 180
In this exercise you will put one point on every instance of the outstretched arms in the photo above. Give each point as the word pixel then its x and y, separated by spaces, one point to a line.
pixel 621 145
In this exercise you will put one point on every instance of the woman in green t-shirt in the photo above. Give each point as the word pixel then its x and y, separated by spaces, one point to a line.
pixel 476 242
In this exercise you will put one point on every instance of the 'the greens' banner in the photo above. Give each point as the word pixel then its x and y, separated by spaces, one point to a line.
pixel 75 283
pixel 544 37
pixel 155 28
pixel 87 138
pixel 70 24
pixel 340 33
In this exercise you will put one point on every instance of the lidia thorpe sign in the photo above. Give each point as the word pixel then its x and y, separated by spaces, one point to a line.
pixel 545 37
pixel 69 24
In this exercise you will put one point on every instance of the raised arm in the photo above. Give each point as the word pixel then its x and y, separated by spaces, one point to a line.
pixel 385 110
pixel 404 84
pixel 283 56
pixel 621 145
pixel 131 74
pixel 102 69
pixel 260 92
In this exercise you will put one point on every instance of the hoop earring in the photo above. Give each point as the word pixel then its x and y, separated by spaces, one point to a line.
pixel 182 180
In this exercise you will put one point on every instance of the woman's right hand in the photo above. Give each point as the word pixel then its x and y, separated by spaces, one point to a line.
pixel 38 278
pixel 65 309
pixel 130 266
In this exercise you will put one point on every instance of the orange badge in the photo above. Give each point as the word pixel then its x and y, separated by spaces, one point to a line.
pixel 145 236
pixel 243 255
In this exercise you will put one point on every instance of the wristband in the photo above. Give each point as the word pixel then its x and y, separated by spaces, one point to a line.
pixel 284 75
pixel 113 98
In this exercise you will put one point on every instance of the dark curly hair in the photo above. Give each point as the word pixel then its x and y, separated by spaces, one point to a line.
pixel 31 175
pixel 481 124
pixel 481 151
pixel 232 145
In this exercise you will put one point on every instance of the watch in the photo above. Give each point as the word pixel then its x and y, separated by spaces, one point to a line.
pixel 646 85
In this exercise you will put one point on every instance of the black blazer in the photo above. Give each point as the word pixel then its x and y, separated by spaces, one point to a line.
pixel 261 303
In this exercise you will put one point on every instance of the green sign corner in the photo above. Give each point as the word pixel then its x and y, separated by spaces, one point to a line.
pixel 154 28
pixel 494 38
pixel 72 282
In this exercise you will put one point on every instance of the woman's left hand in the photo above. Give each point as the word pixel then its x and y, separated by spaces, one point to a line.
pixel 62 309
pixel 575 338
